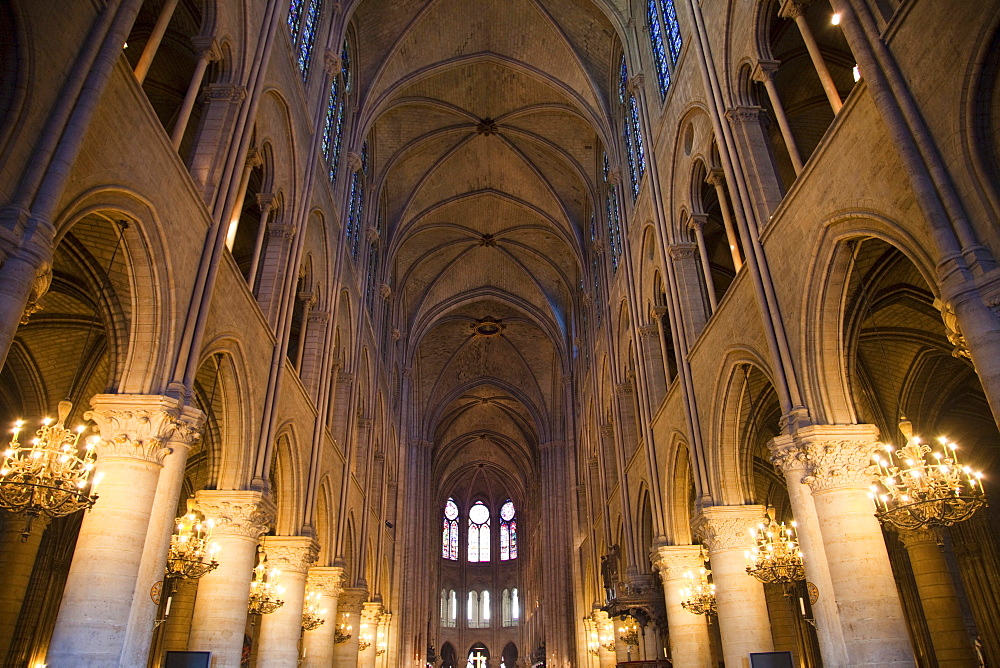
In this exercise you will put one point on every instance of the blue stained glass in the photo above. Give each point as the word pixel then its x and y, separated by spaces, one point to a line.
pixel 446 540
pixel 294 16
pixel 338 136
pixel 612 219
pixel 659 53
pixel 345 66
pixel 359 212
pixel 351 232
pixel 513 539
pixel 673 28
pixel 622 82
pixel 637 131
pixel 330 122
pixel 309 37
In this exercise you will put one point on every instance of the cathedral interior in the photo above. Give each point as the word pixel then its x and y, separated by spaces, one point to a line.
pixel 500 333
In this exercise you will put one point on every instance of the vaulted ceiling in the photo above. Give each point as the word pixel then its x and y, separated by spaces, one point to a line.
pixel 486 122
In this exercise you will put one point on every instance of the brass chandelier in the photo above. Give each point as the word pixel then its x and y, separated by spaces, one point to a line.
pixel 311 613
pixel 192 552
pixel 699 596
pixel 264 589
pixel 915 491
pixel 343 633
pixel 775 557
pixel 49 476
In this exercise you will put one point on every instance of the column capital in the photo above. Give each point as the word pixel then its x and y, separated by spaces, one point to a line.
pixel 138 426
pixel 277 230
pixel 696 221
pixel 237 512
pixel 660 311
pixel 744 114
pixel 728 527
pixel 371 611
pixel 635 83
pixel 291 554
pixel 206 47
pixel 319 317
pixel 793 9
pixel 765 70
pixel 354 162
pixel 352 599
pixel 608 429
pixel 328 580
pixel 913 537
pixel 624 389
pixel 225 92
pixel 650 331
pixel 787 454
pixel 265 201
pixel 715 177
pixel 672 561
pixel 840 456
pixel 345 377
pixel 683 251
pixel 332 63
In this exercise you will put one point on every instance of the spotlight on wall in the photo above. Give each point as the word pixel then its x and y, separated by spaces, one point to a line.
pixel 835 19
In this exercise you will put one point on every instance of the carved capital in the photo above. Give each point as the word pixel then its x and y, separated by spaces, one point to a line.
pixel 281 231
pixel 840 456
pixel 206 47
pixel 954 333
pixel 254 157
pixel 318 317
pixel 354 162
pixel 715 177
pixel 327 580
pixel 608 429
pixel 912 538
pixel 672 561
pixel 614 176
pixel 728 527
pixel 135 426
pixel 332 63
pixel 793 9
pixel 660 311
pixel 384 290
pixel 696 221
pixel 765 70
pixel 351 600
pixel 237 512
pixel 788 455
pixel 683 251
pixel 623 389
pixel 39 286
pixel 635 83
pixel 345 377
pixel 649 332
pixel 291 554
pixel 744 115
pixel 265 201
pixel 225 93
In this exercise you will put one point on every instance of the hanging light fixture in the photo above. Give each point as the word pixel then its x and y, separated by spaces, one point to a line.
pixel 364 638
pixel 311 612
pixel 49 476
pixel 915 491
pixel 775 557
pixel 628 633
pixel 192 552
pixel 264 589
pixel 699 596
pixel 343 632
pixel 382 645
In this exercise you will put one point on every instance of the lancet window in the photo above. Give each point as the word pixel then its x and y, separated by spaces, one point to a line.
pixel 479 532
pixel 613 218
pixel 449 539
pixel 356 208
pixel 508 531
pixel 665 40
pixel 303 22
pixel 631 133
pixel 333 126
pixel 510 608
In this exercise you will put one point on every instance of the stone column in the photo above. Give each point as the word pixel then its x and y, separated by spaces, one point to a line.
pixel 606 635
pixel 757 159
pixel 177 628
pixel 841 473
pixel 341 408
pixel 718 180
pixel 368 633
pixel 764 72
pixel 265 201
pixel 276 256
pixel 220 612
pixel 790 458
pixel 187 431
pixel 938 598
pixel 684 257
pixel 218 113
pixel 207 51
pixel 743 619
pixel 697 225
pixel 312 363
pixel 652 353
pixel 153 43
pixel 278 645
pixel 796 10
pixel 690 646
pixel 17 560
pixel 93 618
pixel 253 160
pixel 382 640
pixel 318 644
pixel 345 654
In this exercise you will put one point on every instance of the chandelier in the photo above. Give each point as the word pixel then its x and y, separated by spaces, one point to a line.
pixel 629 634
pixel 192 552
pixel 48 476
pixel 914 492
pixel 264 589
pixel 775 557
pixel 311 613
pixel 699 596
pixel 343 632
pixel 364 638
pixel 593 647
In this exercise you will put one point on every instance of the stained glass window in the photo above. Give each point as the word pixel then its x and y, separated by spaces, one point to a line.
pixel 371 276
pixel 673 29
pixel 302 26
pixel 330 122
pixel 631 133
pixel 613 218
pixel 449 536
pixel 294 18
pixel 508 531
pixel 356 207
pixel 333 127
pixel 659 51
pixel 479 532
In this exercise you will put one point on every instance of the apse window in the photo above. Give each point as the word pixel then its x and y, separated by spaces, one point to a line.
pixel 479 532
